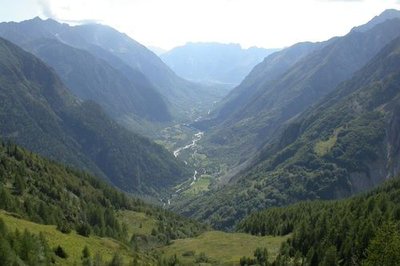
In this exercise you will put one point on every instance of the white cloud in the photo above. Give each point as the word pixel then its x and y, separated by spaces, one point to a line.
pixel 267 23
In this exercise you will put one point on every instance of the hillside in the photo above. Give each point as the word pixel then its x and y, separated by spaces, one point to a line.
pixel 53 206
pixel 360 230
pixel 123 94
pixel 276 100
pixel 345 144
pixel 91 78
pixel 214 62
pixel 221 248
pixel 66 200
pixel 39 113
pixel 125 55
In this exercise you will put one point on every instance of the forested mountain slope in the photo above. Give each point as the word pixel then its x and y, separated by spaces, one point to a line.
pixel 277 100
pixel 45 192
pixel 39 113
pixel 347 143
pixel 363 229
pixel 122 91
pixel 123 54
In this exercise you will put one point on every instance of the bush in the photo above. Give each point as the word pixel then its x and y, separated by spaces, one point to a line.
pixel 64 227
pixel 202 258
pixel 83 230
pixel 60 252
pixel 189 253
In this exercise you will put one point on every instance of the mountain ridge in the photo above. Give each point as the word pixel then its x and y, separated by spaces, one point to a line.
pixel 275 101
pixel 40 113
pixel 334 149
pixel 214 62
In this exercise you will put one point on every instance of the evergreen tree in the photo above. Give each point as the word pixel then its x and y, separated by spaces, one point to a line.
pixel 116 260
pixel 86 259
pixel 330 258
pixel 384 249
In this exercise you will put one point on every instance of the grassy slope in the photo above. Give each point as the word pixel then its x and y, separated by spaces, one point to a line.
pixel 222 248
pixel 73 243
pixel 137 222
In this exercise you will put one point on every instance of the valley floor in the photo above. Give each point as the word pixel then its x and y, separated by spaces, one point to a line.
pixel 220 248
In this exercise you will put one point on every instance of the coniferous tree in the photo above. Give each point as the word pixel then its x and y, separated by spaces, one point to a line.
pixel 384 249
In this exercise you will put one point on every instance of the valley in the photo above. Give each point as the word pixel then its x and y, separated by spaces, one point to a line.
pixel 205 171
pixel 206 154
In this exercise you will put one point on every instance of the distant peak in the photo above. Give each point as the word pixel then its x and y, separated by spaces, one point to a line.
pixel 385 15
pixel 390 12
pixel 37 18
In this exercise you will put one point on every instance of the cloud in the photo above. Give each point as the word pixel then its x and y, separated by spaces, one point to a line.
pixel 45 6
pixel 342 0
pixel 81 21
pixel 71 12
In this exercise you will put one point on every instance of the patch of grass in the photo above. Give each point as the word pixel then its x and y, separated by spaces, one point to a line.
pixel 222 248
pixel 323 147
pixel 137 222
pixel 201 185
pixel 73 243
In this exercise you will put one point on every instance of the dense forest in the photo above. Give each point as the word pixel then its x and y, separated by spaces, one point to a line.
pixel 361 230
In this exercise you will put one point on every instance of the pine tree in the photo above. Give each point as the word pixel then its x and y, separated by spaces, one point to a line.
pixel 116 260
pixel 86 259
pixel 384 249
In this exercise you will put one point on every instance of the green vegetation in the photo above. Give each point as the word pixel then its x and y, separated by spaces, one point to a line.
pixel 125 93
pixel 345 144
pixel 137 222
pixel 322 147
pixel 80 210
pixel 24 247
pixel 285 85
pixel 202 184
pixel 39 113
pixel 70 244
pixel 221 248
pixel 363 229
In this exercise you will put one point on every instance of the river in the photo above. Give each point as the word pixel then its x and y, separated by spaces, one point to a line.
pixel 196 138
pixel 192 145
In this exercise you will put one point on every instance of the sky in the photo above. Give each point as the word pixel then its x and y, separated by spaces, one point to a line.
pixel 170 23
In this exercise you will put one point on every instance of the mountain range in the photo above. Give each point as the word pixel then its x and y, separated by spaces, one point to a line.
pixel 135 85
pixel 214 62
pixel 345 140
pixel 296 154
pixel 284 85
pixel 40 113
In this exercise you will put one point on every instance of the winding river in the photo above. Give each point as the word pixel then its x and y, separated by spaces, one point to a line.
pixel 196 138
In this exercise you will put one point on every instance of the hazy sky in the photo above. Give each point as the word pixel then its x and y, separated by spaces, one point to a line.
pixel 168 23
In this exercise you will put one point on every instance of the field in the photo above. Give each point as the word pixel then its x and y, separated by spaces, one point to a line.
pixel 201 185
pixel 137 222
pixel 221 248
pixel 73 243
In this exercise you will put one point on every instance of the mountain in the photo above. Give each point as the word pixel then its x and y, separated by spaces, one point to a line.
pixel 90 77
pixel 214 62
pixel 94 79
pixel 347 143
pixel 136 62
pixel 39 113
pixel 385 15
pixel 182 94
pixel 362 230
pixel 250 117
pixel 157 50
